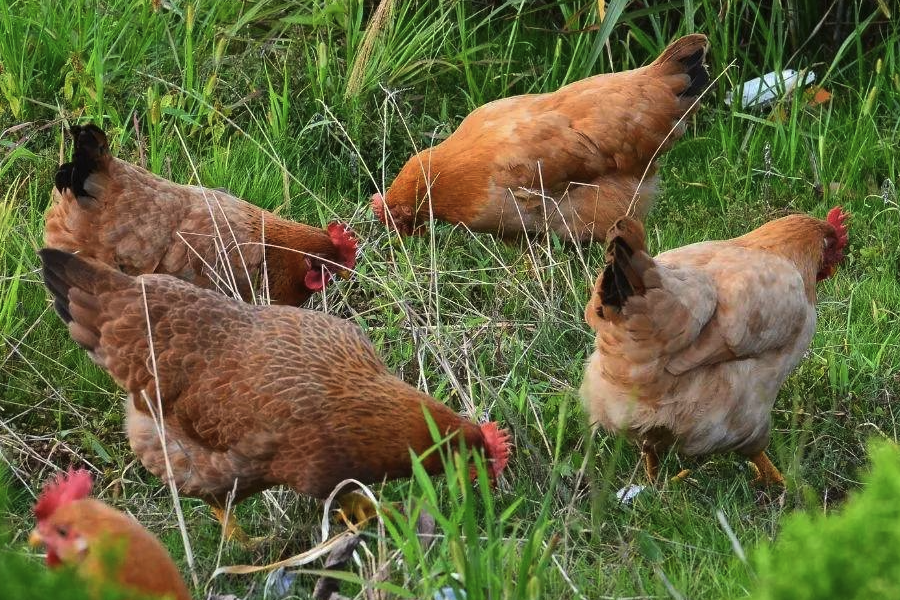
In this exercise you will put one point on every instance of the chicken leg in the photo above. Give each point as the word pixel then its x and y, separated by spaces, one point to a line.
pixel 767 474
pixel 233 530
pixel 356 509
pixel 651 464
pixel 651 461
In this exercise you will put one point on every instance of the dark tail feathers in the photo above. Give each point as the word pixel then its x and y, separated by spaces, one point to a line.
pixel 689 52
pixel 56 280
pixel 622 278
pixel 90 155
pixel 74 282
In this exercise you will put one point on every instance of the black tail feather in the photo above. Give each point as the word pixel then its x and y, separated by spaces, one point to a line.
pixel 78 285
pixel 696 69
pixel 55 262
pixel 64 177
pixel 687 55
pixel 61 306
pixel 615 289
pixel 89 156
pixel 626 263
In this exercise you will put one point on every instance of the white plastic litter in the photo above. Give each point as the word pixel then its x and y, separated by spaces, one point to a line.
pixel 765 89
pixel 627 494
pixel 447 593
pixel 279 582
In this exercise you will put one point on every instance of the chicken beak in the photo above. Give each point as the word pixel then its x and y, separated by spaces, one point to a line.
pixel 35 540
pixel 344 273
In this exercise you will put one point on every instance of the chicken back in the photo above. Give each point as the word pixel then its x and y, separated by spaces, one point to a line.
pixel 693 345
pixel 260 395
pixel 571 161
pixel 137 222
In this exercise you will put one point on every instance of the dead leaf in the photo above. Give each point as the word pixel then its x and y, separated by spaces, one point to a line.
pixel 327 587
pixel 816 95
pixel 294 561
pixel 425 526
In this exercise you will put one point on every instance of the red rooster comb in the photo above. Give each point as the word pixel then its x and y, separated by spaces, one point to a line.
pixel 496 448
pixel 836 217
pixel 344 240
pixel 378 207
pixel 62 489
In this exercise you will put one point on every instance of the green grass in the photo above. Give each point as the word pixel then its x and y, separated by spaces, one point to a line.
pixel 297 105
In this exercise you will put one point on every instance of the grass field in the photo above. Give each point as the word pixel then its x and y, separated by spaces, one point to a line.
pixel 310 106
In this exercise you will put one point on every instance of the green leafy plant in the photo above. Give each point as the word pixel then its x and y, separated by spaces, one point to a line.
pixel 850 553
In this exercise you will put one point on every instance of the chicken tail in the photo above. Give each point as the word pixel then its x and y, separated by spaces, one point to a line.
pixel 686 56
pixel 75 282
pixel 627 263
pixel 91 155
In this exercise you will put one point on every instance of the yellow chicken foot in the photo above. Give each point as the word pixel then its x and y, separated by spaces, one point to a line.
pixel 682 475
pixel 651 461
pixel 767 474
pixel 356 509
pixel 233 530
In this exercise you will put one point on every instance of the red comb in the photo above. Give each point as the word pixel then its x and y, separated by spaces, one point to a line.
pixel 378 207
pixel 62 489
pixel 496 448
pixel 318 275
pixel 344 240
pixel 836 217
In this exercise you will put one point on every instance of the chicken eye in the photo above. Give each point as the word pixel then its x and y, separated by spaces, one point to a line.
pixel 62 530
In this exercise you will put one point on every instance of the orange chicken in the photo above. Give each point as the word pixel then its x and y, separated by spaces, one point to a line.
pixel 137 222
pixel 258 395
pixel 570 161
pixel 693 345
pixel 107 547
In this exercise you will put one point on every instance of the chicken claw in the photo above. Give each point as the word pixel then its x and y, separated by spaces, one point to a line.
pixel 767 474
pixel 356 509
pixel 681 476
pixel 234 531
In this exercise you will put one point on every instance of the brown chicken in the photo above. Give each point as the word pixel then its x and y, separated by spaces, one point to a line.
pixel 571 161
pixel 107 546
pixel 129 218
pixel 693 345
pixel 260 395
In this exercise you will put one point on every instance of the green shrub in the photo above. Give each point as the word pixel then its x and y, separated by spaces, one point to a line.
pixel 853 554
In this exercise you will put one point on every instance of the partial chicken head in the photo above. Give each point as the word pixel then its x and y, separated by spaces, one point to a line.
pixel 398 217
pixel 404 206
pixel 55 531
pixel 834 244
pixel 496 450
pixel 319 272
